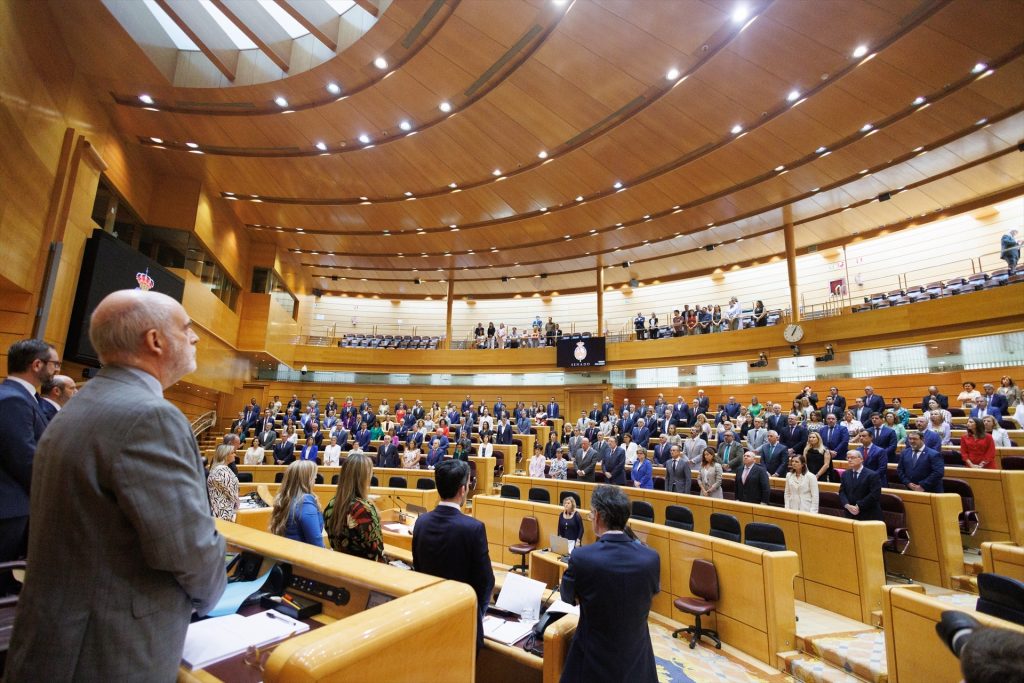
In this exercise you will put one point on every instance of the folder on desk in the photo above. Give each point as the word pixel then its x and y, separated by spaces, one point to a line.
pixel 214 640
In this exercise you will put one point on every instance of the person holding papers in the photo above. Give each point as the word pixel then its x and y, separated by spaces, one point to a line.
pixel 614 581
pixel 296 513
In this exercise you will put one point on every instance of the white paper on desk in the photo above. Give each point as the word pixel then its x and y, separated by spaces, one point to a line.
pixel 562 607
pixel 521 595
pixel 507 632
pixel 214 640
pixel 396 528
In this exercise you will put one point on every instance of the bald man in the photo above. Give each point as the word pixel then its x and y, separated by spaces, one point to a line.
pixel 55 393
pixel 122 545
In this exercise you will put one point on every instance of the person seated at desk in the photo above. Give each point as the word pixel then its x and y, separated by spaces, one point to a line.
pixel 254 455
pixel 309 451
pixel 570 524
pixel 332 454
pixel 642 471
pixel 351 519
pixel 411 456
pixel 222 484
pixel 537 462
pixel 284 453
pixel 614 581
pixel 296 511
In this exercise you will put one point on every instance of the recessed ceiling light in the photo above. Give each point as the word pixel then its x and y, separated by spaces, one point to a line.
pixel 979 67
pixel 821 150
pixel 815 189
pixel 280 101
pixel 981 122
pixel 542 154
pixel 192 145
pixel 405 125
pixel 647 216
pixel 333 88
pixel 672 74
pixel 866 127
pixel 780 168
pixel 365 198
pixel 918 101
pixel 364 138
pixel 496 172
pixel 445 106
pixel 860 51
pixel 145 99
pixel 322 146
pixel 408 194
pixel 793 96
pixel 380 63
pixel 593 232
pixel 863 171
pixel 917 149
pixel 737 129
pixel 455 228
pixel 453 185
pixel 740 13
pixel 579 198
pixel 158 141
pixel 617 185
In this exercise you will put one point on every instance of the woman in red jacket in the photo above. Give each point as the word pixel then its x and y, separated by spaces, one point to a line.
pixel 977 449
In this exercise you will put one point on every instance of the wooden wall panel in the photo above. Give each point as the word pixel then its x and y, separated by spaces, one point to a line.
pixel 218 365
pixel 192 401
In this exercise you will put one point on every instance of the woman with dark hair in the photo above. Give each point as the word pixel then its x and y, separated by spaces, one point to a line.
pixel 801 488
pixel 890 421
pixel 351 519
pixel 969 395
pixel 760 314
pixel 709 477
pixel 977 449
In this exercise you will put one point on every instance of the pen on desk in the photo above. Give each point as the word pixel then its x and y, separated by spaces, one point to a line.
pixel 287 599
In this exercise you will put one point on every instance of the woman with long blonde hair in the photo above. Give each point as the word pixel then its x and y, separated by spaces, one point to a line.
pixel 351 519
pixel 817 459
pixel 296 512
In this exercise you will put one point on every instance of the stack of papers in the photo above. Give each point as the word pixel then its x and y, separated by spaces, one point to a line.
pixel 507 632
pixel 214 640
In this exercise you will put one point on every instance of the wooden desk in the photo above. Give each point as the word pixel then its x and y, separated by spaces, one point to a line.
pixel 399 539
pixel 548 567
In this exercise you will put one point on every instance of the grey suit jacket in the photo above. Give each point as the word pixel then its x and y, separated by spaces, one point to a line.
pixel 678 475
pixel 586 462
pixel 122 544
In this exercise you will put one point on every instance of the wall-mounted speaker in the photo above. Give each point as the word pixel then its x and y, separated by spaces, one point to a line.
pixel 633 282
pixel 318 292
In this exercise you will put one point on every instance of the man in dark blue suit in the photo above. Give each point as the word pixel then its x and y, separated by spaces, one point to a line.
pixel 835 437
pixel 640 433
pixel 774 456
pixel 873 457
pixel 252 414
pixel 872 401
pixel 614 463
pixel 932 440
pixel 884 437
pixel 552 413
pixel 451 545
pixel 614 581
pixel 703 403
pixel 30 363
pixel 860 491
pixel 503 432
pixel 681 413
pixel 920 469
pixel 982 408
pixel 732 408
pixel 793 435
pixel 995 400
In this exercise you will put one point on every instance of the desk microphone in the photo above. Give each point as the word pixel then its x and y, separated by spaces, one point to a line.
pixel 402 513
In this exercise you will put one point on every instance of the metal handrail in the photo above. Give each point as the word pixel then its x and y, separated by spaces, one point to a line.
pixel 204 422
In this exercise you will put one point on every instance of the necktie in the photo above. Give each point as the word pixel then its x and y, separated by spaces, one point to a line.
pixel 856 473
pixel 746 471
pixel 916 454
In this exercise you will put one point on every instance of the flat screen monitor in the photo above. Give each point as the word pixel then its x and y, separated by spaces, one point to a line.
pixel 580 352
pixel 109 265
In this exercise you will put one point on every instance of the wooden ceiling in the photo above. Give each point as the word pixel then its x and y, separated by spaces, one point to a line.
pixel 763 111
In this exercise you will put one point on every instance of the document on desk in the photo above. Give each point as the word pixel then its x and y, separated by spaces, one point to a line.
pixel 507 632
pixel 521 595
pixel 562 607
pixel 214 640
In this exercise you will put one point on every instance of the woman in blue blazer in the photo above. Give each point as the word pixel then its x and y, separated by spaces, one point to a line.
pixel 642 471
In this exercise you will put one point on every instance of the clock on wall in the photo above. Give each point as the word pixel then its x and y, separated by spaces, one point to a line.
pixel 793 333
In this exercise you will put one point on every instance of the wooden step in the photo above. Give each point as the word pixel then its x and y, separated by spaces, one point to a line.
pixel 966 583
pixel 807 668
pixel 876 618
pixel 973 568
pixel 861 653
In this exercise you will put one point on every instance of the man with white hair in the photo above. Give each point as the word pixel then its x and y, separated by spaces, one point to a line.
pixel 122 545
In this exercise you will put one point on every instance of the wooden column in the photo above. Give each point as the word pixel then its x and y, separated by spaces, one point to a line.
pixel 448 314
pixel 599 285
pixel 787 231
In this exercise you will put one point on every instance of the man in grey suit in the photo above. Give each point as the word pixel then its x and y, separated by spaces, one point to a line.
pixel 586 461
pixel 122 545
pixel 677 473
pixel 757 436
pixel 730 452
pixel 693 448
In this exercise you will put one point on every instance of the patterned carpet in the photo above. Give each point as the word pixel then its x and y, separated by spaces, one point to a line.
pixel 677 663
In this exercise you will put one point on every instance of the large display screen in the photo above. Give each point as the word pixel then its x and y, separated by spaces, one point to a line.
pixel 587 352
pixel 107 266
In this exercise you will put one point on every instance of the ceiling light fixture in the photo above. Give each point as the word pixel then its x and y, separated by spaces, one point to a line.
pixel 542 154
pixel 334 88
pixel 617 185
pixel 793 96
pixel 979 67
pixel 918 101
pixel 737 129
pixel 780 168
pixel 405 125
pixel 158 141
pixel 672 74
pixel 496 172
pixel 579 198
pixel 408 194
pixel 364 138
pixel 445 106
pixel 740 13
pixel 821 150
pixel 860 51
pixel 280 101
pixel 866 127
pixel 145 99
pixel 322 146
pixel 380 63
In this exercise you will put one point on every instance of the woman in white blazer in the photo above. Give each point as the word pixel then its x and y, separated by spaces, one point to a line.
pixel 801 487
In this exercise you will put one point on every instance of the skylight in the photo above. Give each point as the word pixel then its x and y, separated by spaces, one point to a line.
pixel 177 36
pixel 240 40
pixel 340 6
pixel 292 27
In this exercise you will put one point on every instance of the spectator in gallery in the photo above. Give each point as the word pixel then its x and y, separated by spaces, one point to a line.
pixel 716 319
pixel 502 335
pixel 704 319
pixel 550 330
pixel 1009 250
pixel 760 314
pixel 638 325
pixel 296 511
pixel 734 314
pixel 677 323
pixel 652 326
pixel 692 323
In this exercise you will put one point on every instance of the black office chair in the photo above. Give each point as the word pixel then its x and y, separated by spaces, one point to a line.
pixel 510 491
pixel 245 477
pixel 642 511
pixel 1001 596
pixel 334 478
pixel 374 481
pixel 319 479
pixel 425 484
pixel 397 482
pixel 679 517
pixel 538 495
pixel 765 536
pixel 726 527
pixel 279 477
pixel 659 483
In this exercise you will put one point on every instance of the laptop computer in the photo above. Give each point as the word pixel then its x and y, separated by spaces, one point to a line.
pixel 560 546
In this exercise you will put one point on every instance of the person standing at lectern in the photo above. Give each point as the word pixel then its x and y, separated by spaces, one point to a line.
pixel 614 581
pixel 122 545
pixel 451 545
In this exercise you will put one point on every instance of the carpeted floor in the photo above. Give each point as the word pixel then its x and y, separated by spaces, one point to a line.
pixel 677 663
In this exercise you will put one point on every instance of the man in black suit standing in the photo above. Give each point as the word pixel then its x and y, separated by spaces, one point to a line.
pixel 934 395
pixel 873 401
pixel 30 363
pixel 752 481
pixel 921 469
pixel 614 581
pixel 55 393
pixel 677 471
pixel 793 435
pixel 387 455
pixel 614 463
pixel 860 490
pixel 451 545
pixel 586 460
pixel 837 399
